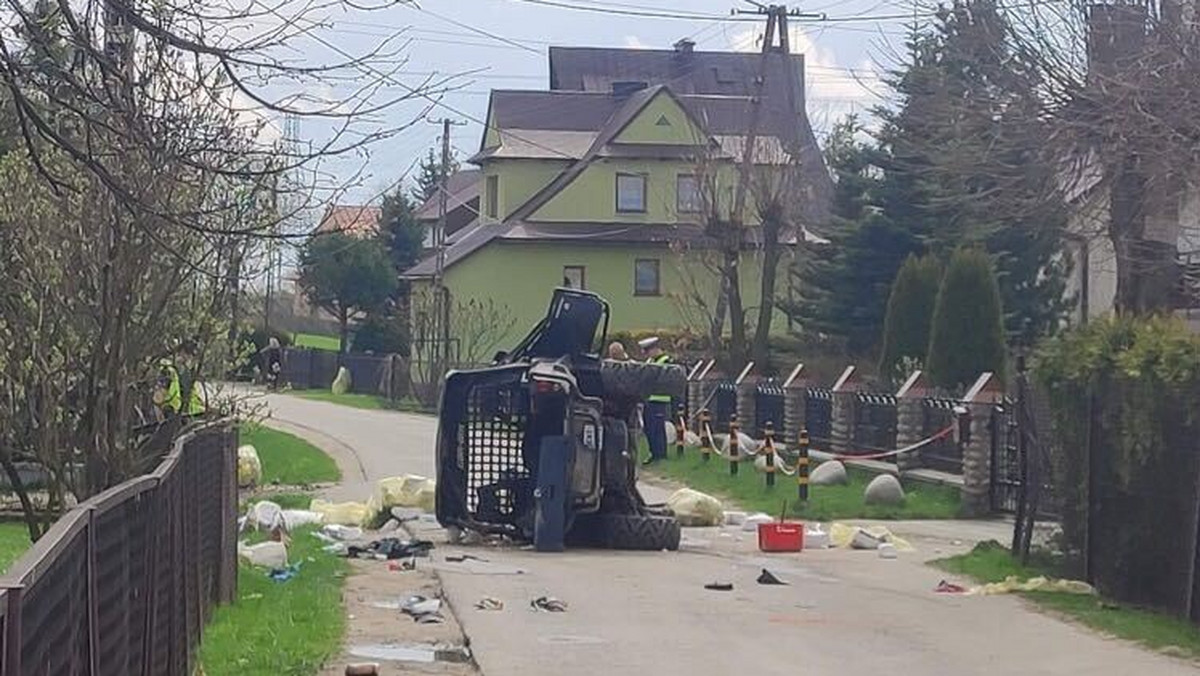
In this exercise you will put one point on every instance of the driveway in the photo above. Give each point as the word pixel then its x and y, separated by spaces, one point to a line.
pixel 844 612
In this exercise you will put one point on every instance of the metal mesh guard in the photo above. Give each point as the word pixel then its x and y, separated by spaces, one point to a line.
pixel 491 438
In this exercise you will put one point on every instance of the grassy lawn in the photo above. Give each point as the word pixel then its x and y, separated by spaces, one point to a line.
pixel 317 341
pixel 748 489
pixel 369 402
pixel 280 628
pixel 284 500
pixel 14 540
pixel 288 459
pixel 990 562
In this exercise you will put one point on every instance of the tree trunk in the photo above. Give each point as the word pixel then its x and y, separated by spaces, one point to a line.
pixel 737 314
pixel 1146 268
pixel 766 307
pixel 343 331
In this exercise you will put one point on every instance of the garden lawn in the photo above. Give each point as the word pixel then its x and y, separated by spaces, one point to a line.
pixel 317 341
pixel 14 540
pixel 991 562
pixel 826 503
pixel 288 459
pixel 369 402
pixel 280 627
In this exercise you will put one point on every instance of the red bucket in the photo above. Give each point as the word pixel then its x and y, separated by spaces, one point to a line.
pixel 781 537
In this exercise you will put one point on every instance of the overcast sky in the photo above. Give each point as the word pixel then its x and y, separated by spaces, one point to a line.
pixel 843 56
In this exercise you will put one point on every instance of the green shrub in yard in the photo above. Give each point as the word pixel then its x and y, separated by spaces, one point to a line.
pixel 910 313
pixel 967 336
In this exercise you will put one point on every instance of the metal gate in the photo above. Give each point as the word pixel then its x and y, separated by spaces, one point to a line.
pixel 818 416
pixel 943 454
pixel 768 407
pixel 1006 457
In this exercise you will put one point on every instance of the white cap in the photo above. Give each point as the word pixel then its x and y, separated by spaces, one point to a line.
pixel 647 343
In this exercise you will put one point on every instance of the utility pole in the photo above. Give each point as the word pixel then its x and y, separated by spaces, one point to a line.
pixel 441 347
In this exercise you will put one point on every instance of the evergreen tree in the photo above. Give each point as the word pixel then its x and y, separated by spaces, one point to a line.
pixel 910 313
pixel 401 232
pixel 430 176
pixel 964 164
pixel 967 337
pixel 842 287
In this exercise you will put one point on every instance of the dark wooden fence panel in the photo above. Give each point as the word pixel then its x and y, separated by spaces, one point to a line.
pixel 122 584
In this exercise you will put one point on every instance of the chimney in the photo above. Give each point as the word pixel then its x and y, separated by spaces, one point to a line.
pixel 685 46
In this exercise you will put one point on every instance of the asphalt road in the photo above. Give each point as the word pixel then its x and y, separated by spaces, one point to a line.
pixel 844 612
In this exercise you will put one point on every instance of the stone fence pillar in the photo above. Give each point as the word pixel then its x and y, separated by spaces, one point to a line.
pixel 795 404
pixel 910 418
pixel 844 409
pixel 980 401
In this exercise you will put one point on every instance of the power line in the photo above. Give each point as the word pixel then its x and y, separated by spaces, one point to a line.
pixel 478 31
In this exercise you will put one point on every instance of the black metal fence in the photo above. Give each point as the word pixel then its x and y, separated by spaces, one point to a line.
pixel 383 375
pixel 874 423
pixel 724 405
pixel 945 453
pixel 818 416
pixel 124 583
pixel 769 407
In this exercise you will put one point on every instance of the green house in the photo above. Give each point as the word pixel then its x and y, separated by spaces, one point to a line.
pixel 608 181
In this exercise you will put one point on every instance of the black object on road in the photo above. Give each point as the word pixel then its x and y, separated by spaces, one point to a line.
pixel 719 586
pixel 391 548
pixel 767 577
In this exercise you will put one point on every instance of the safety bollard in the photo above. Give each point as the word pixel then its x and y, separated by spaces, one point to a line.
pixel 734 453
pixel 802 466
pixel 706 443
pixel 769 450
pixel 680 430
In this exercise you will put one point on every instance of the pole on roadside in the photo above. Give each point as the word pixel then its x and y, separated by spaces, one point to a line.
pixel 706 442
pixel 734 453
pixel 802 467
pixel 680 430
pixel 769 450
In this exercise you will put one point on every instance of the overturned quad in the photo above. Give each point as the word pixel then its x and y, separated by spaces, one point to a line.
pixel 538 446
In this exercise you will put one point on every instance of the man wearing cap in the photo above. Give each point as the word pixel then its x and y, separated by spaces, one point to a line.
pixel 657 406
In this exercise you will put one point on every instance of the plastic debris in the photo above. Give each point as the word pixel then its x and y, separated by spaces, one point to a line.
pixel 489 603
pixel 423 610
pixel 548 604
pixel 769 578
pixel 409 491
pixel 388 549
pixel 856 537
pixel 735 518
pixel 294 518
pixel 249 467
pixel 345 513
pixel 284 574
pixel 945 587
pixel 750 525
pixel 390 526
pixel 459 558
pixel 693 508
pixel 719 586
pixel 342 533
pixel 815 538
pixel 1013 584
pixel 267 554
pixel 887 550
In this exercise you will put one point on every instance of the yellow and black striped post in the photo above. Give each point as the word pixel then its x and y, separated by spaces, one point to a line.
pixel 734 454
pixel 706 442
pixel 680 430
pixel 802 466
pixel 769 450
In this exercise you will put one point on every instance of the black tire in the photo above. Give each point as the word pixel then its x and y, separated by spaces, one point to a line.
pixel 637 380
pixel 637 533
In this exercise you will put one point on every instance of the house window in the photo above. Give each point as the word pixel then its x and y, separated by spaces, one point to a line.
pixel 493 196
pixel 574 277
pixel 631 193
pixel 687 194
pixel 645 277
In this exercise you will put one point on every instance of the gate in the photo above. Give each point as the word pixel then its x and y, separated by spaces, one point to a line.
pixel 818 415
pixel 1006 457
pixel 768 407
pixel 724 405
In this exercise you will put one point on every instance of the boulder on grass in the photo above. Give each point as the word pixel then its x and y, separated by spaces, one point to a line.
pixel 829 473
pixel 884 489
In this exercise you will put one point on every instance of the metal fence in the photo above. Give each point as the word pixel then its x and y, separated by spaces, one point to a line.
pixel 818 416
pixel 724 405
pixel 769 407
pixel 384 375
pixel 945 454
pixel 874 423
pixel 124 583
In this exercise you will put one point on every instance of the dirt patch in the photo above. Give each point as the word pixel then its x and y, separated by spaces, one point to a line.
pixel 373 594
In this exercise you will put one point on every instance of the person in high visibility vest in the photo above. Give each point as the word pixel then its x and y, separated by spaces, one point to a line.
pixel 171 388
pixel 657 406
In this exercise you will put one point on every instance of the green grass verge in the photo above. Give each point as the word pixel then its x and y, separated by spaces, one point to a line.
pixel 317 341
pixel 368 402
pixel 991 562
pixel 14 540
pixel 284 500
pixel 748 489
pixel 288 459
pixel 280 628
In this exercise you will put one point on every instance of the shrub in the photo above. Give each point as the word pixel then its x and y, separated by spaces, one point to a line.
pixel 910 314
pixel 967 335
pixel 382 333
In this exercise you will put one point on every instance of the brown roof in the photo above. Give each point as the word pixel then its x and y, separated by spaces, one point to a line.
pixel 462 188
pixel 729 73
pixel 351 219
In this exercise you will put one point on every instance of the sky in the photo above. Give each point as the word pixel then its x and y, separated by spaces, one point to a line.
pixel 502 44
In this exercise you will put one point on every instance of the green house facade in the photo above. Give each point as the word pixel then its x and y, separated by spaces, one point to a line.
pixel 610 189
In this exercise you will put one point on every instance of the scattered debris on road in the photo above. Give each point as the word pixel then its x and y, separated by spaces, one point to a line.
pixel 548 604
pixel 945 587
pixel 887 550
pixel 459 558
pixel 388 549
pixel 423 610
pixel 362 669
pixel 767 577
pixel 267 554
pixel 719 586
pixel 489 603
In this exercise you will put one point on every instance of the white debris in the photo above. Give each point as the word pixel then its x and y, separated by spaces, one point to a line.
pixel 249 467
pixel 693 508
pixel 267 554
pixel 751 523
